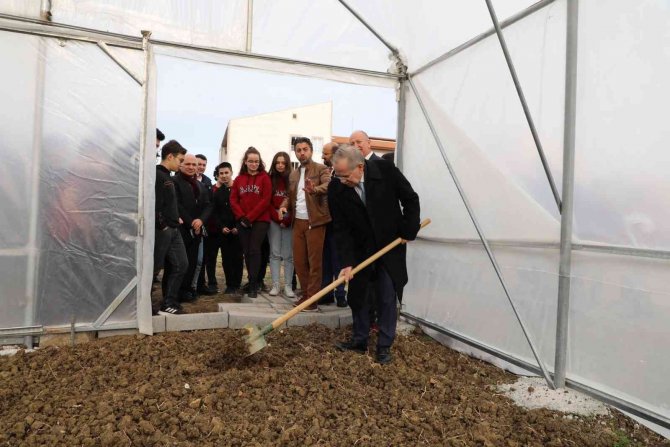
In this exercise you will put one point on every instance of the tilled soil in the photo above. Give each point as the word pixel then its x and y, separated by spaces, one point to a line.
pixel 199 389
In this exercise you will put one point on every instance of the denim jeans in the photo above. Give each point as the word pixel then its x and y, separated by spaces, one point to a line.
pixel 198 266
pixel 281 247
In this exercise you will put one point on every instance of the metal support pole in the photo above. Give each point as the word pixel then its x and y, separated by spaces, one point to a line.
pixel 32 266
pixel 63 31
pixel 116 302
pixel 486 34
pixel 103 46
pixel 45 10
pixel 524 104
pixel 568 192
pixel 401 97
pixel 250 24
pixel 143 313
pixel 480 233
pixel 393 49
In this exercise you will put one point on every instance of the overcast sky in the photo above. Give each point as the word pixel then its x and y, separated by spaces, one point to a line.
pixel 196 100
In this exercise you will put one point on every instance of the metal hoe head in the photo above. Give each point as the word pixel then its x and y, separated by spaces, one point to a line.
pixel 255 338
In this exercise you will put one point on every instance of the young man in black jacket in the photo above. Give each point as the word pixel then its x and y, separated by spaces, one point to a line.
pixel 223 232
pixel 169 251
pixel 194 209
pixel 365 198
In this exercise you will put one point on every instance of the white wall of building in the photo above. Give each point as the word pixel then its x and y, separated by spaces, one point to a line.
pixel 272 132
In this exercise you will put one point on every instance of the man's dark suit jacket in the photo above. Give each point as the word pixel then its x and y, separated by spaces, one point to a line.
pixel 361 230
pixel 190 205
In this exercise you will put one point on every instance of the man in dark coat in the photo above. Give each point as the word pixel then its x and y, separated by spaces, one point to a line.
pixel 194 209
pixel 223 232
pixel 362 142
pixel 169 247
pixel 365 199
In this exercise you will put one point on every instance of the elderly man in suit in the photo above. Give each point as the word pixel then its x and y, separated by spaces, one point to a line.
pixel 372 204
pixel 361 140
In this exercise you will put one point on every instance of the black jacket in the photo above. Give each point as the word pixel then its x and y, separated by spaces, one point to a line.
pixel 191 205
pixel 222 213
pixel 361 230
pixel 167 214
pixel 207 183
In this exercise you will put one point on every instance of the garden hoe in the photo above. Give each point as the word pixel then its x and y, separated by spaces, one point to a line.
pixel 256 335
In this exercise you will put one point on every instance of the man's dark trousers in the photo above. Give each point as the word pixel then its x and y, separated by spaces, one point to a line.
pixel 386 311
pixel 331 263
pixel 232 258
pixel 170 254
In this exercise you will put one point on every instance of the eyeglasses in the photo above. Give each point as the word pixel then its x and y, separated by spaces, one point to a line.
pixel 253 162
pixel 341 176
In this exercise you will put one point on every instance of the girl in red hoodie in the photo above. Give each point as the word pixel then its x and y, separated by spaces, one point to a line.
pixel 250 201
pixel 281 233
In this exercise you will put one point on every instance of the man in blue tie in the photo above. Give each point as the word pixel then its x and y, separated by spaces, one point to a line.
pixel 372 204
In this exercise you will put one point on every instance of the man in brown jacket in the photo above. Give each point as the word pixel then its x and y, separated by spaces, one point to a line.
pixel 308 202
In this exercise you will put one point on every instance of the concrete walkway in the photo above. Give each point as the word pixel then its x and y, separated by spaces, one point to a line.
pixel 266 308
pixel 259 311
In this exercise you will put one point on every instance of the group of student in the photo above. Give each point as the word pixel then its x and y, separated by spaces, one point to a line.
pixel 320 220
pixel 249 219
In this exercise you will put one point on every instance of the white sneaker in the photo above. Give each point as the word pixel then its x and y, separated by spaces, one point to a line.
pixel 288 292
pixel 275 290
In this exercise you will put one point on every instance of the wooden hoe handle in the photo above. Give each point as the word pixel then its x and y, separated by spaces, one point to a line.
pixel 332 286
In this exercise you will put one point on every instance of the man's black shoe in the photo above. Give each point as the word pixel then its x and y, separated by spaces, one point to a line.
pixel 351 346
pixel 341 301
pixel 230 291
pixel 188 297
pixel 245 288
pixel 383 356
pixel 327 299
pixel 170 310
pixel 253 292
pixel 208 290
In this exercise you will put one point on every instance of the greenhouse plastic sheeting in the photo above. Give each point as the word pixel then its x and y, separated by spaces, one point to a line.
pixel 23 8
pixel 288 29
pixel 277 66
pixel 619 313
pixel 455 287
pixel 622 189
pixel 424 30
pixel 19 92
pixel 85 114
pixel 212 23
pixel 476 111
pixel 452 282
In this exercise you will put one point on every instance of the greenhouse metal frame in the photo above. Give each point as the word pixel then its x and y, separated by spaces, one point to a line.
pixel 492 223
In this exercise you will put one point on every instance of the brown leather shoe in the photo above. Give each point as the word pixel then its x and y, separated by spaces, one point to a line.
pixel 311 308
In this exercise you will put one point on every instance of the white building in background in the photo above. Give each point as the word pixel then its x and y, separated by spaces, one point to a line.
pixel 273 132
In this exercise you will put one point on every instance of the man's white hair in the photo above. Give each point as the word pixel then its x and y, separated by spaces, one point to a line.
pixel 350 153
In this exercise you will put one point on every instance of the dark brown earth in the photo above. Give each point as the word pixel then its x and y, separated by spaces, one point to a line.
pixel 199 389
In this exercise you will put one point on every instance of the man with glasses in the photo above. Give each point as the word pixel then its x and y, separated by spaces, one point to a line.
pixel 372 204
pixel 331 261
